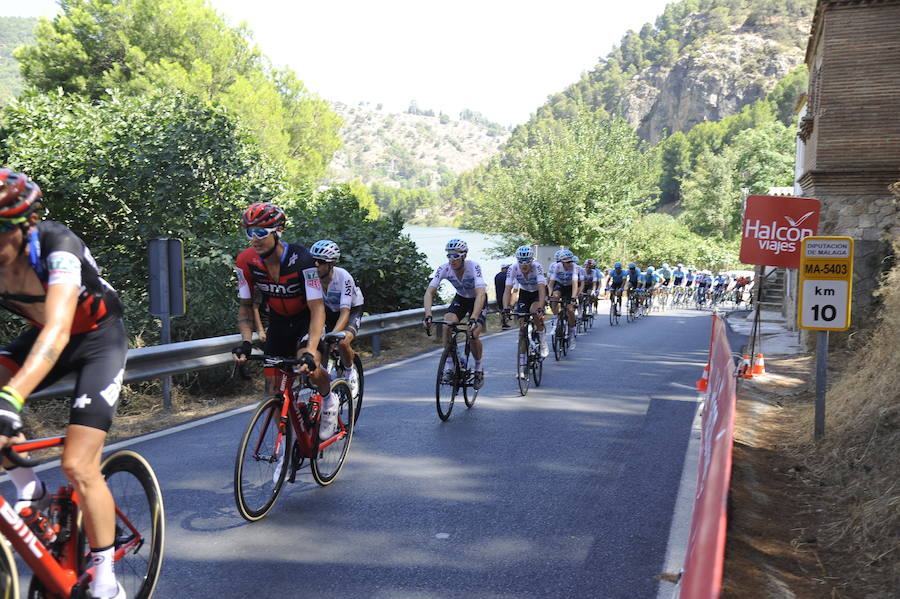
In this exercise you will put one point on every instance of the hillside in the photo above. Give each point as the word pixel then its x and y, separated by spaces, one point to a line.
pixel 14 32
pixel 409 150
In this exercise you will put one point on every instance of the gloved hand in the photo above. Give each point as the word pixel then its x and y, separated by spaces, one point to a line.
pixel 243 350
pixel 309 361
pixel 426 323
pixel 10 405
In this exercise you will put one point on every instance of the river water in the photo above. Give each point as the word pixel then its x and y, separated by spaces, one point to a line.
pixel 431 242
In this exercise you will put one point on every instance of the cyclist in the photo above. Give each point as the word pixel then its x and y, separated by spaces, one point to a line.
pixel 563 282
pixel 287 276
pixel 617 278
pixel 665 273
pixel 650 283
pixel 591 276
pixel 704 280
pixel 471 295
pixel 528 276
pixel 343 303
pixel 50 279
pixel 678 278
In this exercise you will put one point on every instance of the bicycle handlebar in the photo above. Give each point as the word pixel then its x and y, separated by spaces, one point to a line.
pixel 19 460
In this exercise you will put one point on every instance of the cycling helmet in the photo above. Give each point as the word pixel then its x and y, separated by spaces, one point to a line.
pixel 617 265
pixel 650 269
pixel 665 266
pixel 264 214
pixel 502 266
pixel 589 263
pixel 566 255
pixel 525 252
pixel 679 266
pixel 575 259
pixel 457 245
pixel 325 249
pixel 632 265
pixel 558 255
pixel 19 196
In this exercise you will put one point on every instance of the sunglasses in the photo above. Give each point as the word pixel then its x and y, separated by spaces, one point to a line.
pixel 9 224
pixel 259 233
pixel 320 262
pixel 453 256
pixel 525 261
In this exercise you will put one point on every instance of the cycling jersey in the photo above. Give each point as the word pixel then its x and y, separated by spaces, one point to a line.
pixel 665 273
pixel 342 291
pixel 57 255
pixel 563 277
pixel 617 277
pixel 678 276
pixel 690 279
pixel 649 279
pixel 634 277
pixel 588 277
pixel 298 280
pixel 465 285
pixel 527 282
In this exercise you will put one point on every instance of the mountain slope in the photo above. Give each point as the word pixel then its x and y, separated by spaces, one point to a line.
pixel 14 32
pixel 409 150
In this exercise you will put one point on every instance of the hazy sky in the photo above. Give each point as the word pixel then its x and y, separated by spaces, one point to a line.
pixel 498 57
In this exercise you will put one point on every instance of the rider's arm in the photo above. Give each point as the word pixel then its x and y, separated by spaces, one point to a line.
pixel 480 297
pixel 316 324
pixel 429 297
pixel 507 296
pixel 59 309
pixel 245 319
pixel 342 320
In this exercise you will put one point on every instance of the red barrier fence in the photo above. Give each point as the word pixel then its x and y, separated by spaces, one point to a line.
pixel 705 556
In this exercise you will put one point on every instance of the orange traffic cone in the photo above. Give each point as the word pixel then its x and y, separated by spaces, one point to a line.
pixel 744 368
pixel 704 380
pixel 759 366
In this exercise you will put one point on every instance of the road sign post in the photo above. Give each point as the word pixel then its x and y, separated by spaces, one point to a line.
pixel 826 285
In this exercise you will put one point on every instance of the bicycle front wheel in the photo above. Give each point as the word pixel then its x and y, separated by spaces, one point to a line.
pixel 9 574
pixel 333 451
pixel 140 522
pixel 262 461
pixel 357 401
pixel 447 384
pixel 470 392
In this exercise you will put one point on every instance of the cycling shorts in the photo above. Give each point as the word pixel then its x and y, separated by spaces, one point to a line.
pixel 353 321
pixel 616 285
pixel 689 283
pixel 526 298
pixel 463 306
pixel 666 282
pixel 98 356
pixel 285 332
pixel 564 290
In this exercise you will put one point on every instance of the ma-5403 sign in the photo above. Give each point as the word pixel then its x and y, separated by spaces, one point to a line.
pixel 826 283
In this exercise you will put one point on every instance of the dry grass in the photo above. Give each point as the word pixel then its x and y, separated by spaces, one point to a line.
pixel 857 463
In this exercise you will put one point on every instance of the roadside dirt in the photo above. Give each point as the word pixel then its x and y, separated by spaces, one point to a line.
pixel 776 508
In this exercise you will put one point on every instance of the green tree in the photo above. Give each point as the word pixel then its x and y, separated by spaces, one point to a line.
pixel 574 189
pixel 712 199
pixel 764 157
pixel 138 45
pixel 675 165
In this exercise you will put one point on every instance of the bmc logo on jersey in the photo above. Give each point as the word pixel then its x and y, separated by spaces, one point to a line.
pixel 279 290
pixel 773 227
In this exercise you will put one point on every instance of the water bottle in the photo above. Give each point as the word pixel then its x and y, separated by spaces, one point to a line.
pixel 39 525
pixel 315 402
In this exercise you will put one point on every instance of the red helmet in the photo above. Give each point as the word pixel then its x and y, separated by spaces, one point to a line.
pixel 264 214
pixel 19 196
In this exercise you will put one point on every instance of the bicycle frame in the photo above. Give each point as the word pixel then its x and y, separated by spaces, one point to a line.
pixel 59 576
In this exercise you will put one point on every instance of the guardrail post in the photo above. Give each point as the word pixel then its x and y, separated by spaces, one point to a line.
pixel 376 344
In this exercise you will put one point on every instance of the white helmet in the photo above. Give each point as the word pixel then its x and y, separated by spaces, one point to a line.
pixel 457 245
pixel 325 249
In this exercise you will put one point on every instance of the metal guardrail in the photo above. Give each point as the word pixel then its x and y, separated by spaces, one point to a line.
pixel 147 363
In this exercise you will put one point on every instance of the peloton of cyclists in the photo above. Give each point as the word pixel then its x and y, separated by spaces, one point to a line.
pixel 471 295
pixel 343 303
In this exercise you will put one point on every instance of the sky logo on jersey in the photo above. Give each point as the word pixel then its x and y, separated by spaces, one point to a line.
pixel 773 228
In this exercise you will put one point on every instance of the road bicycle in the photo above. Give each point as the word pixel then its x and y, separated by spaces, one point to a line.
pixel 54 545
pixel 335 369
pixel 561 327
pixel 586 313
pixel 283 433
pixel 634 305
pixel 454 372
pixel 529 361
pixel 662 299
pixel 615 305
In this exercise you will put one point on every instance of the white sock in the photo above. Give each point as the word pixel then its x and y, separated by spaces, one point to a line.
pixel 347 372
pixel 28 485
pixel 329 403
pixel 104 582
pixel 478 365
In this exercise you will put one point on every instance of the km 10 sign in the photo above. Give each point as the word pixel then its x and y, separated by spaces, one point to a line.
pixel 773 227
pixel 826 283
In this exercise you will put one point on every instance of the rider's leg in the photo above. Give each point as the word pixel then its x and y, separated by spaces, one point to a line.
pixel 346 350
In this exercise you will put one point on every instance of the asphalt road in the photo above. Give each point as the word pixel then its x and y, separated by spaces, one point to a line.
pixel 567 492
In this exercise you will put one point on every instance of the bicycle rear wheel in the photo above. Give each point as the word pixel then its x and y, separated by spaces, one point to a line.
pixel 9 574
pixel 357 401
pixel 446 387
pixel 262 461
pixel 140 522
pixel 522 375
pixel 333 451
pixel 470 393
pixel 557 344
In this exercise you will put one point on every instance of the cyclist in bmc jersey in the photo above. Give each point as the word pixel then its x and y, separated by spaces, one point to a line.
pixel 563 282
pixel 286 275
pixel 528 276
pixel 471 295
pixel 343 303
pixel 49 278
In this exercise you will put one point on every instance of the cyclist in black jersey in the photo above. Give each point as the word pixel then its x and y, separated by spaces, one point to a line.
pixel 48 277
